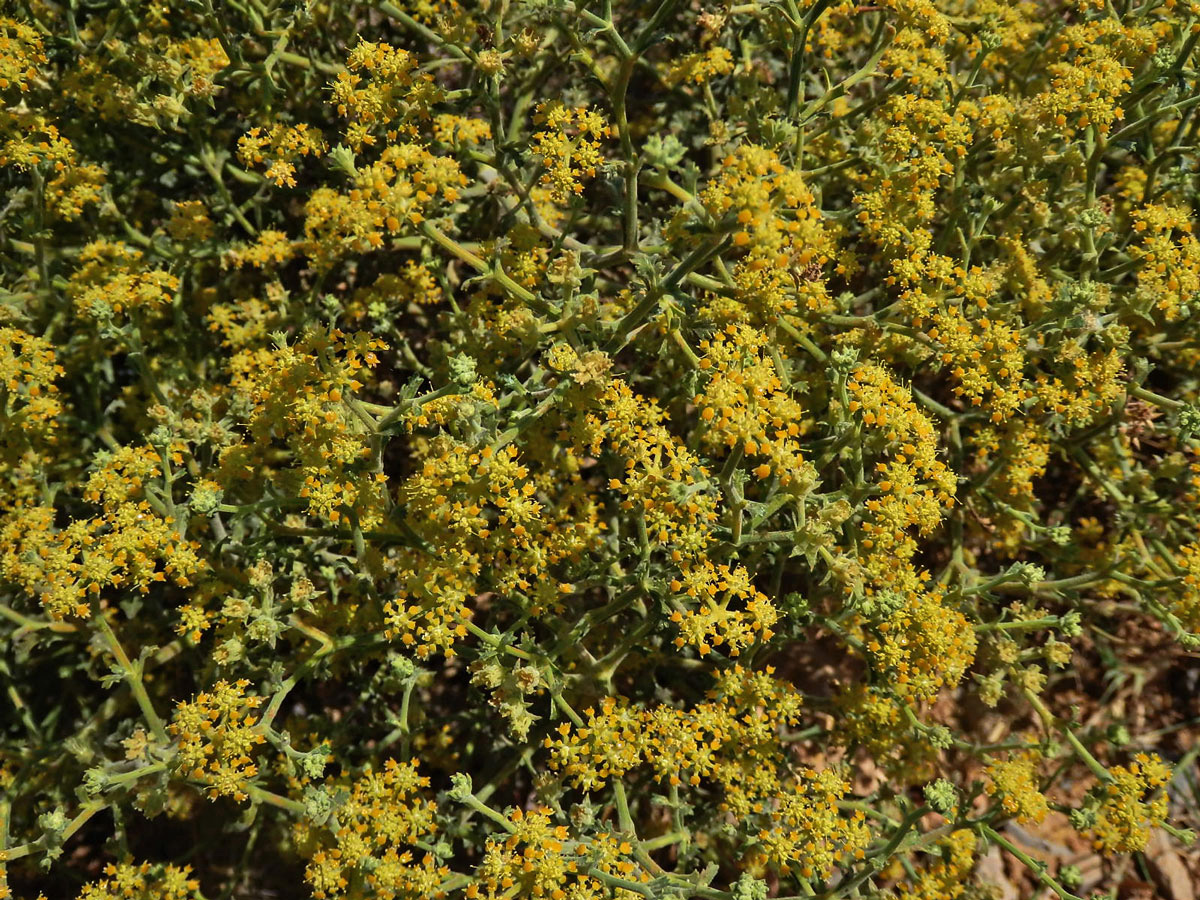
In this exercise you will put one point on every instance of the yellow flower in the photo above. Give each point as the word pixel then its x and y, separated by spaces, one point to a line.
pixel 569 146
pixel 217 739
pixel 1131 805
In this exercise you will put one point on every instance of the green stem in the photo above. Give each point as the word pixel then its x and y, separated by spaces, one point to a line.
pixel 1020 625
pixel 1155 399
pixel 81 818
pixel 812 349
pixel 1081 751
pixel 496 274
pixel 495 641
pixel 262 795
pixel 133 675
pixel 665 840
pixel 390 9
pixel 1037 868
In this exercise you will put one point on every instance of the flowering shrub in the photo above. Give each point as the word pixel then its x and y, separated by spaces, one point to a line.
pixel 578 449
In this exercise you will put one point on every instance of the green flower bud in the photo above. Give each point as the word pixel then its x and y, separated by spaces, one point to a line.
pixel 1083 819
pixel 95 780
pixel 53 824
pixel 462 370
pixel 312 764
pixel 940 737
pixel 460 787
pixel 401 665
pixel 749 888
pixel 1070 876
pixel 1189 421
pixel 941 795
pixel 318 805
pixel 204 500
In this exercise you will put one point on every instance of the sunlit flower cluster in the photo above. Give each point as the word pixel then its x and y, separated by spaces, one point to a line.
pixel 725 450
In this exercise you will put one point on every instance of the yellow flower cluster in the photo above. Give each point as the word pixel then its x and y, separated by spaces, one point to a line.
pixel 783 239
pixel 21 52
pixel 299 393
pixel 744 716
pixel 189 222
pixel 217 739
pixel 132 881
pixel 538 859
pixel 270 249
pixel 460 131
pixel 390 196
pixel 700 67
pixel 451 408
pixel 747 408
pixel 945 877
pixel 923 645
pixel 112 279
pixel 1015 781
pixel 74 186
pixel 804 832
pixel 369 849
pixel 873 718
pixel 481 510
pixel 733 740
pixel 569 146
pixel 129 545
pixel 1186 605
pixel 1084 89
pixel 1168 277
pixel 382 88
pixel 29 402
pixel 1131 804
pixel 662 478
pixel 915 485
pixel 414 283
pixel 710 620
pixel 901 199
pixel 770 382
pixel 986 358
pixel 182 71
pixel 1020 451
pixel 281 146
pixel 1089 384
